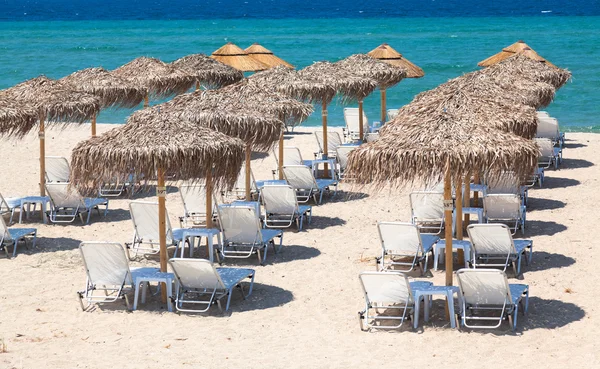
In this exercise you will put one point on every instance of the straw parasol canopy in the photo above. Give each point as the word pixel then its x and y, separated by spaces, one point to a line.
pixel 112 90
pixel 208 71
pixel 386 53
pixel 265 56
pixel 234 56
pixel 161 79
pixel 16 119
pixel 522 66
pixel 519 47
pixel 383 73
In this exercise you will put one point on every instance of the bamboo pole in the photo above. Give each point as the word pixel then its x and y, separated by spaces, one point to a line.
pixel 325 145
pixel 383 106
pixel 41 135
pixel 209 197
pixel 94 126
pixel 476 194
pixel 248 174
pixel 467 199
pixel 448 220
pixel 146 101
pixel 459 219
pixel 161 192
pixel 361 133
pixel 280 156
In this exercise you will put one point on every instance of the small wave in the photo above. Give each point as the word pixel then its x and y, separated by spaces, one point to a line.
pixel 546 11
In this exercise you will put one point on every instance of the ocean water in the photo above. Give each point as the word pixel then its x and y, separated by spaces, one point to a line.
pixel 56 38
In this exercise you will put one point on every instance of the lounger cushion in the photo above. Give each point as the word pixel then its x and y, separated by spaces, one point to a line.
pixel 91 202
pixel 516 291
pixel 233 276
pixel 269 234
pixel 303 209
pixel 16 233
pixel 428 240
pixel 521 245
pixel 323 183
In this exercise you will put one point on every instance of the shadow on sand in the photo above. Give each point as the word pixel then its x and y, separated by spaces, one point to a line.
pixel 558 182
pixel 534 204
pixel 541 228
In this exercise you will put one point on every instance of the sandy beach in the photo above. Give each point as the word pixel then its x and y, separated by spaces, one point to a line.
pixel 303 312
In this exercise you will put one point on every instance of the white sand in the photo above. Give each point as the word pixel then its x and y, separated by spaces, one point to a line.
pixel 303 312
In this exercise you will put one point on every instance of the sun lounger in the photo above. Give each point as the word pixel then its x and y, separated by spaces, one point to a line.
pixel 505 208
pixel 549 155
pixel 12 236
pixel 117 186
pixel 281 207
pixel 427 210
pixel 66 204
pixel 488 297
pixel 401 241
pixel 144 216
pixel 333 141
pixel 352 129
pixel 194 206
pixel 548 128
pixel 199 278
pixel 342 153
pixel 506 183
pixel 57 169
pixel 9 205
pixel 492 245
pixel 301 178
pixel 392 113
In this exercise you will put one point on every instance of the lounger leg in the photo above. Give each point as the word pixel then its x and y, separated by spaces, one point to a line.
pixel 436 258
pixel 15 248
pixel 417 308
pixel 136 295
pixel 229 293
pixel 89 216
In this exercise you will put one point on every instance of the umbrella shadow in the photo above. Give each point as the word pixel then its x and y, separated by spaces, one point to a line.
pixel 574 145
pixel 287 254
pixel 568 163
pixel 344 196
pixel 543 260
pixel 49 244
pixel 558 182
pixel 319 222
pixel 257 155
pixel 534 203
pixel 543 228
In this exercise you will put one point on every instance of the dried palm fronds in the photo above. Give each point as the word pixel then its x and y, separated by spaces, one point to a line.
pixel 387 54
pixel 519 47
pixel 208 72
pixel 237 58
pixel 265 56
pixel 383 73
pixel 527 68
pixel 16 119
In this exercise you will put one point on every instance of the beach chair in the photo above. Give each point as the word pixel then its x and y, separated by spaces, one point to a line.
pixel 146 239
pixel 492 245
pixel 239 188
pixel 404 241
pixel 117 186
pixel 370 137
pixel 427 210
pixel 506 183
pixel 9 205
pixel 301 178
pixel 505 208
pixel 386 292
pixel 194 206
pixel 66 204
pixel 199 283
pixel 107 270
pixel 12 236
pixel 561 135
pixel 352 131
pixel 392 113
pixel 342 158
pixel 333 141
pixel 281 207
pixel 243 235
pixel 549 155
pixel 57 169
pixel 548 128
pixel 487 296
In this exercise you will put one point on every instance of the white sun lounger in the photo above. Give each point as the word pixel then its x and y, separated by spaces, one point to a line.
pixel 301 178
pixel 57 169
pixel 194 206
pixel 506 183
pixel 392 113
pixel 352 129
pixel 342 153
pixel 242 233
pixel 492 245
pixel 9 205
pixel 200 278
pixel 404 240
pixel 548 128
pixel 117 186
pixel 281 207
pixel 333 142
pixel 144 216
pixel 549 155
pixel 505 208
pixel 66 204
pixel 427 210
pixel 488 297
pixel 12 236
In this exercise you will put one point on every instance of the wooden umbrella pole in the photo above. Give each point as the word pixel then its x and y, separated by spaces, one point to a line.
pixel 448 220
pixel 41 136
pixel 383 107
pixel 361 130
pixel 280 148
pixel 459 219
pixel 161 192
pixel 209 197
pixel 146 101
pixel 467 199
pixel 325 145
pixel 476 194
pixel 94 126
pixel 248 173
pixel 197 85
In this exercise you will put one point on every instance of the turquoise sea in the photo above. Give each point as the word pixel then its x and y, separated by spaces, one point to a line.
pixel 445 47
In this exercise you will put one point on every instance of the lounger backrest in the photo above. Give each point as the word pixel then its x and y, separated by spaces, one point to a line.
pixel 400 238
pixel 351 118
pixel 547 128
pixel 542 113
pixel 333 140
pixel 240 183
pixel 507 182
pixel 4 207
pixel 299 177
pixel 392 113
pixel 196 273
pixel 57 169
pixel 546 147
pixel 105 263
pixel 4 230
pixel 493 239
pixel 370 137
pixel 483 286
pixel 279 199
pixel 193 198
pixel 386 287
pixel 502 206
pixel 427 205
pixel 342 155
pixel 145 221
pixel 62 196
pixel 240 224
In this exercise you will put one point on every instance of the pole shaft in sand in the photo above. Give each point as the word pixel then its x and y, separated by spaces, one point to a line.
pixel 42 134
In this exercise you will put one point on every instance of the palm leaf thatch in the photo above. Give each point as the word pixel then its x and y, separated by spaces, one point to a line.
pixel 347 84
pixel 265 56
pixel 530 69
pixel 422 150
pixel 208 72
pixel 112 90
pixel 161 79
pixel 519 47
pixel 289 82
pixel 54 100
pixel 237 58
pixel 16 119
pixel 383 73
pixel 182 149
pixel 387 54
pixel 258 130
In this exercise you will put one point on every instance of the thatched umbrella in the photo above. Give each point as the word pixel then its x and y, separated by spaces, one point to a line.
pixel 153 146
pixel 383 73
pixel 53 101
pixel 208 71
pixel 387 54
pixel 16 119
pixel 444 148
pixel 161 79
pixel 112 90
pixel 519 47
pixel 529 69
pixel 265 56
pixel 234 56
